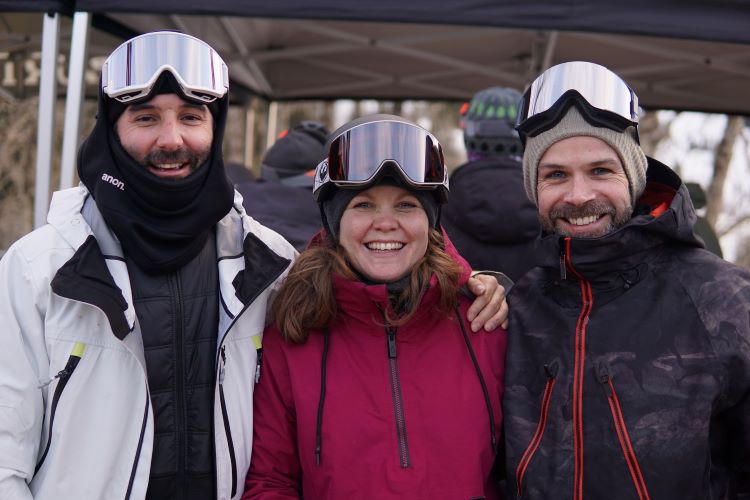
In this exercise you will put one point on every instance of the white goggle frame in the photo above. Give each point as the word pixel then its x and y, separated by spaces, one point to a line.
pixel 132 69
pixel 604 97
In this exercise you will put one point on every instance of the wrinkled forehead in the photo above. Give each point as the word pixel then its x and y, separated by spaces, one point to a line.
pixel 168 102
pixel 580 149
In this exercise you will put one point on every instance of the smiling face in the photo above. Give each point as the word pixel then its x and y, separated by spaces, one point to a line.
pixel 167 135
pixel 384 231
pixel 582 188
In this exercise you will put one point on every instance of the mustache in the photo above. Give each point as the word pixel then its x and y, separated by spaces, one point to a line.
pixel 593 207
pixel 181 155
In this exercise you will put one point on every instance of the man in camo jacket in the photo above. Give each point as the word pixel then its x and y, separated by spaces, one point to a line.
pixel 628 365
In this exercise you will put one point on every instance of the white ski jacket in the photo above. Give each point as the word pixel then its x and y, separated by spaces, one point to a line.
pixel 75 415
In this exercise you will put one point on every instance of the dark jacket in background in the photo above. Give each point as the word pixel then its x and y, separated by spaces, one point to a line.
pixel 490 220
pixel 628 366
pixel 291 211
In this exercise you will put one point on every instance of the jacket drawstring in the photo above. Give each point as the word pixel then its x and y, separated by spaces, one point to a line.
pixel 321 401
pixel 493 437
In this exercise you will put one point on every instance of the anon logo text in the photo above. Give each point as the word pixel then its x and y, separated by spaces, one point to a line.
pixel 115 182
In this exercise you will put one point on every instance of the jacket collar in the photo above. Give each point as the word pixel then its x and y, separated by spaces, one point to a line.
pixel 247 263
pixel 367 301
pixel 97 273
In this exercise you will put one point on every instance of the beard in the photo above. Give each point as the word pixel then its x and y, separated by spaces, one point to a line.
pixel 596 208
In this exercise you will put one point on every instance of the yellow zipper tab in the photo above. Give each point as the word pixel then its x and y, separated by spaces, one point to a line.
pixel 78 349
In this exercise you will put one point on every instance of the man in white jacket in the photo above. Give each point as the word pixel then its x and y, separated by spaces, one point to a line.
pixel 130 324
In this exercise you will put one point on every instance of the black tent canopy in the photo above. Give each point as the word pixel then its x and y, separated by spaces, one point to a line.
pixel 677 54
pixel 713 20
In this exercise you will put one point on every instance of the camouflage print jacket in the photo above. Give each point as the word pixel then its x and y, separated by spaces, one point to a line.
pixel 628 364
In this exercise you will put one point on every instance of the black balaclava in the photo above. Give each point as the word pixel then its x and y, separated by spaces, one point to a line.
pixel 161 223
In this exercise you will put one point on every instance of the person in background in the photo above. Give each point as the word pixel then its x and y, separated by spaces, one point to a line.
pixel 489 219
pixel 237 173
pixel 628 370
pixel 281 198
pixel 372 385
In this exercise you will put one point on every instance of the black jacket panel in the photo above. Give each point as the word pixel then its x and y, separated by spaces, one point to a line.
pixel 178 316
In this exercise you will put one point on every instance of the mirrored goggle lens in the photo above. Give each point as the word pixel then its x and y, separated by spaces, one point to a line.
pixel 357 156
pixel 600 87
pixel 133 68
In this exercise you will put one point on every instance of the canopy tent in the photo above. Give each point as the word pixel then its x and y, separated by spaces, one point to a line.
pixel 715 20
pixel 677 54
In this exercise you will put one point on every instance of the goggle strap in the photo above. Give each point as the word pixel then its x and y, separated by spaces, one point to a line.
pixel 548 119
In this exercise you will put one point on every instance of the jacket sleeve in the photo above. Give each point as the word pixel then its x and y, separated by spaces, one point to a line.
pixel 275 471
pixel 732 422
pixel 725 309
pixel 22 367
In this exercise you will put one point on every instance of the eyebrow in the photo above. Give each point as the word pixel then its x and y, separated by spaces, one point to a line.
pixel 134 108
pixel 605 162
pixel 596 163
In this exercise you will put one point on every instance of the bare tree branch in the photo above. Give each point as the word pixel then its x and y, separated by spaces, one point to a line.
pixel 651 132
pixel 734 225
pixel 715 194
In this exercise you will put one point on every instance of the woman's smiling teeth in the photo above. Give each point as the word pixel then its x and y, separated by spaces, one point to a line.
pixel 582 221
pixel 382 246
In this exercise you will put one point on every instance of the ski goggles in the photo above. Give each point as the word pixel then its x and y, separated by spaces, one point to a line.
pixel 131 71
pixel 358 157
pixel 601 96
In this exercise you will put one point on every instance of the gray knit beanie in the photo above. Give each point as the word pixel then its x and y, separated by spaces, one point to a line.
pixel 573 124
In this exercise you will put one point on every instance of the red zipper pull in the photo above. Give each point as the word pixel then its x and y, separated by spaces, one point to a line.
pixel 601 368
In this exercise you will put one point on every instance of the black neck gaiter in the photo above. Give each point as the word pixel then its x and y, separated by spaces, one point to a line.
pixel 161 223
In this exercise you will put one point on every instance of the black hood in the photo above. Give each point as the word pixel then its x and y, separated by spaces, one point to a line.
pixel 487 201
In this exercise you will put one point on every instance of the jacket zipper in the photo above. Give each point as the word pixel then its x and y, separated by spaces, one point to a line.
pixel 220 362
pixel 580 358
pixel 139 447
pixel 225 419
pixel 398 403
pixel 551 372
pixel 182 449
pixel 605 379
pixel 63 376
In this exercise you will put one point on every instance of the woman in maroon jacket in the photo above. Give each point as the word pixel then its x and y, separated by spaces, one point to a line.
pixel 372 384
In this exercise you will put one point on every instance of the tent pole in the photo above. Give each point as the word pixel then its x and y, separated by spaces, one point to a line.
pixel 248 159
pixel 273 116
pixel 74 101
pixel 46 116
pixel 549 50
